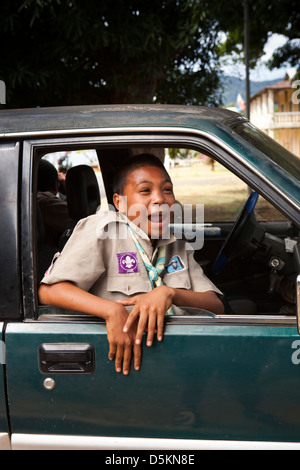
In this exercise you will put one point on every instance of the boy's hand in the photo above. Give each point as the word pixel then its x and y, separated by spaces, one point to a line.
pixel 121 343
pixel 150 308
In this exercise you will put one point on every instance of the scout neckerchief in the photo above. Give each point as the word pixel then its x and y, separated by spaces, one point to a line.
pixel 153 271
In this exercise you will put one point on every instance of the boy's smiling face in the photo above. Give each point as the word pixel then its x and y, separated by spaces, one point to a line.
pixel 148 195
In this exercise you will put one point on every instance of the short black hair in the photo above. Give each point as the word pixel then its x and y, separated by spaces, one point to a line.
pixel 133 163
pixel 47 176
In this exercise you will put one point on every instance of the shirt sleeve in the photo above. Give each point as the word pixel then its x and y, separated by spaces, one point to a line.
pixel 81 261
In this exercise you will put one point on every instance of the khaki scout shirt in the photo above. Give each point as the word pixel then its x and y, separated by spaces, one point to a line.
pixel 101 257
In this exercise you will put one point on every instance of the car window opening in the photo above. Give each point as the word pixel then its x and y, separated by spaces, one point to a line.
pixel 258 277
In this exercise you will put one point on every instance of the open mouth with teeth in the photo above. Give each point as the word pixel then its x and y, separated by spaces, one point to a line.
pixel 159 223
pixel 158 218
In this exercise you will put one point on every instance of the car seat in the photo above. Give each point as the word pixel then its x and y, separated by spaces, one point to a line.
pixel 82 189
pixel 83 196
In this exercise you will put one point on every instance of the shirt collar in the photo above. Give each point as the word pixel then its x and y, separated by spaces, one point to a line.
pixel 108 217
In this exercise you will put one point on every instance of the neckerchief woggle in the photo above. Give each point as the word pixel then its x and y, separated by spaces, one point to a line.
pixel 153 271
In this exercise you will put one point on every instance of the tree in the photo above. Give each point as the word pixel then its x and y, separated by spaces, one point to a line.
pixel 61 52
pixel 266 17
pixel 289 53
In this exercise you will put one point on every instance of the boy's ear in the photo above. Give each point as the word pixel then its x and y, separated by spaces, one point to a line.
pixel 116 201
pixel 120 202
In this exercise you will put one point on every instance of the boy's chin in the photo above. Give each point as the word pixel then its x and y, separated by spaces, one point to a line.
pixel 156 232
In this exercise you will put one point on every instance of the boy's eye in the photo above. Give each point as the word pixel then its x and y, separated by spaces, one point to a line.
pixel 147 190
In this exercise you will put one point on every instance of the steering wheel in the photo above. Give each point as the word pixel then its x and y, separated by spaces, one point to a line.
pixel 231 241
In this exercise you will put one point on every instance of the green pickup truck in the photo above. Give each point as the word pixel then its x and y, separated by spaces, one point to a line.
pixel 229 381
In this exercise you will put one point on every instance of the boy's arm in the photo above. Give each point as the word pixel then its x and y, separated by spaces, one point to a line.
pixel 152 306
pixel 67 295
pixel 206 300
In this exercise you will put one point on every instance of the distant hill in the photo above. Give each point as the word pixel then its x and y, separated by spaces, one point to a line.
pixel 233 85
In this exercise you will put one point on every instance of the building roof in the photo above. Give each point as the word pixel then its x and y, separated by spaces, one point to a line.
pixel 282 85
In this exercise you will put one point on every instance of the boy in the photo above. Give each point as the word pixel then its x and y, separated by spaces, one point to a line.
pixel 108 264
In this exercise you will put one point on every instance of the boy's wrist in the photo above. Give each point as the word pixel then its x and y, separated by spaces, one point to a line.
pixel 171 292
pixel 114 308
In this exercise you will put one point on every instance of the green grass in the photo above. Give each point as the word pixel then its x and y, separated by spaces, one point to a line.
pixel 222 193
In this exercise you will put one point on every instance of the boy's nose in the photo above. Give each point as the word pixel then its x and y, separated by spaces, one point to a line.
pixel 158 197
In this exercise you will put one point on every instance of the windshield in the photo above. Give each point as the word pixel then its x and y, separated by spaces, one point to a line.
pixel 278 154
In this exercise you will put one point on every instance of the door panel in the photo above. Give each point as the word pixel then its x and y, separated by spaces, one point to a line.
pixel 201 382
pixel 9 248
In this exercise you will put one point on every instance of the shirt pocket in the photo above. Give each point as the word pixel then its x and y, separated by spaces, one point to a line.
pixel 128 284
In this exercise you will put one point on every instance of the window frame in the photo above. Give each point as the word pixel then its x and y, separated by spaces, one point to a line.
pixel 34 149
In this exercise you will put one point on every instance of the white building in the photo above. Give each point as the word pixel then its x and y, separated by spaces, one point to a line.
pixel 276 110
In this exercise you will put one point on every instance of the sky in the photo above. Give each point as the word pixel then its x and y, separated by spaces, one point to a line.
pixel 261 72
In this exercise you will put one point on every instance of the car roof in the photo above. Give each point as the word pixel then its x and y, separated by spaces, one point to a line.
pixel 216 123
pixel 33 121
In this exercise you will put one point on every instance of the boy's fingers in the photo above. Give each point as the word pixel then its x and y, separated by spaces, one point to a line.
pixel 151 329
pixel 112 351
pixel 141 328
pixel 160 327
pixel 126 360
pixel 137 351
pixel 131 319
pixel 127 302
pixel 119 358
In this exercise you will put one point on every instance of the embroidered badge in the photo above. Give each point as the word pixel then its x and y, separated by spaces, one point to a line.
pixel 127 263
pixel 176 264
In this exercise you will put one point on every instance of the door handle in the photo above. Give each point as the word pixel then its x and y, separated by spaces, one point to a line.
pixel 66 358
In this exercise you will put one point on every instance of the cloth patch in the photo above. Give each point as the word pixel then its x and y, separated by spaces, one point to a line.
pixel 127 263
pixel 176 264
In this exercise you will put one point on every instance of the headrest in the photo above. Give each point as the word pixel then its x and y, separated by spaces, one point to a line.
pixel 82 192
pixel 47 176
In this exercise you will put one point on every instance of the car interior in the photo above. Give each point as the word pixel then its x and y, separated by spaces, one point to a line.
pixel 250 249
